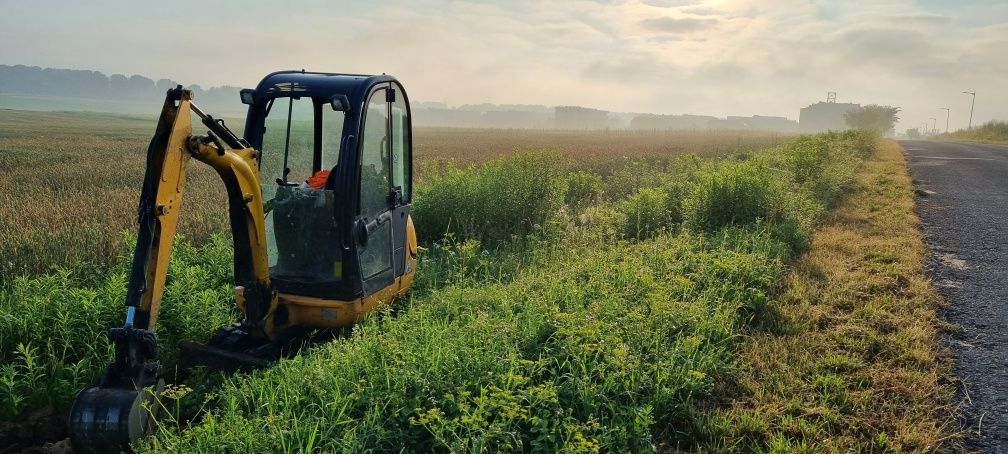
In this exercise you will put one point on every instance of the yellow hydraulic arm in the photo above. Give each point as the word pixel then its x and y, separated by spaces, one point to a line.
pixel 238 166
pixel 108 416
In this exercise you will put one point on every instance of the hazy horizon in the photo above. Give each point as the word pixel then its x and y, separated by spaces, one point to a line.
pixel 714 58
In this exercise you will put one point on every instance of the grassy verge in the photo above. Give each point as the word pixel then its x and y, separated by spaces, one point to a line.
pixel 995 132
pixel 558 308
pixel 849 363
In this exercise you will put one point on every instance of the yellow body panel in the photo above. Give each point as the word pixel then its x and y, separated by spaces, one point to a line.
pixel 314 312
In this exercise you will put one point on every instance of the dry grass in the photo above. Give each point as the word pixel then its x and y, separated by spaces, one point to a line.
pixel 69 185
pixel 476 145
pixel 994 132
pixel 69 182
pixel 849 362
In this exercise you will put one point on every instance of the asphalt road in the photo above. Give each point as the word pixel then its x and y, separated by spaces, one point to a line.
pixel 962 199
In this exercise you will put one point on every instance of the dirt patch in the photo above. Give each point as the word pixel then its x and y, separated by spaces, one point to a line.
pixel 41 430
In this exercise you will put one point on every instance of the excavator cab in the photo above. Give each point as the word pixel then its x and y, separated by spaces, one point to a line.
pixel 319 189
pixel 336 180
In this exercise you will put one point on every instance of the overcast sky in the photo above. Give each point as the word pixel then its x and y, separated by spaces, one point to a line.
pixel 717 57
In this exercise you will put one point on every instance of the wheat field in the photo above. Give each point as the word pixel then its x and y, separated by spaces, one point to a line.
pixel 69 182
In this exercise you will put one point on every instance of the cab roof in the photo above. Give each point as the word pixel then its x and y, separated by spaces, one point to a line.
pixel 315 84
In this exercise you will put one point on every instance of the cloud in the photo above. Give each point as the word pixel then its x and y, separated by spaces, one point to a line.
pixel 921 19
pixel 883 44
pixel 639 68
pixel 664 56
pixel 677 25
pixel 670 3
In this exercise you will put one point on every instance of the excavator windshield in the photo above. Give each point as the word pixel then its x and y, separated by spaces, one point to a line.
pixel 302 136
pixel 300 149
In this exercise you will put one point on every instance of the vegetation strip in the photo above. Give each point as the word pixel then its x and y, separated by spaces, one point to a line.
pixel 69 182
pixel 848 362
pixel 558 308
pixel 993 132
pixel 604 343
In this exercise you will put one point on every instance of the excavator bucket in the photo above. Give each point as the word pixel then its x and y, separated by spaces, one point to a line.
pixel 109 419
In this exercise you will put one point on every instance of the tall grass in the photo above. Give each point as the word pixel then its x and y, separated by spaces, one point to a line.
pixel 852 364
pixel 52 327
pixel 557 307
pixel 492 201
pixel 604 346
pixel 598 350
pixel 992 131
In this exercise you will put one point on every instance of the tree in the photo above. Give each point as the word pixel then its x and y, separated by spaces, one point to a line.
pixel 141 87
pixel 163 85
pixel 873 116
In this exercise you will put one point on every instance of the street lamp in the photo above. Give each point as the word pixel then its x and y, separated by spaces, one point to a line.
pixel 973 94
pixel 948 112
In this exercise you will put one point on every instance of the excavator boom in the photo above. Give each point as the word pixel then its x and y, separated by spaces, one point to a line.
pixel 116 411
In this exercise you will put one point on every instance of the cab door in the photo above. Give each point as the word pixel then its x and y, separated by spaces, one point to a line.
pixel 373 225
pixel 402 175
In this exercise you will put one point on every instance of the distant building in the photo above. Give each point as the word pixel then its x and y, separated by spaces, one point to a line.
pixel 825 116
pixel 769 123
pixel 755 123
pixel 574 117
pixel 651 121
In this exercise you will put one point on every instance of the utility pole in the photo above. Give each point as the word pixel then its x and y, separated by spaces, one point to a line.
pixel 934 122
pixel 973 102
pixel 948 113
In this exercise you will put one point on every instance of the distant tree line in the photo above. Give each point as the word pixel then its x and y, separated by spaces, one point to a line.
pixel 61 87
pixel 79 83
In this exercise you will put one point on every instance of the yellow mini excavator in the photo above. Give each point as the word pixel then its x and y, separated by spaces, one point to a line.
pixel 318 194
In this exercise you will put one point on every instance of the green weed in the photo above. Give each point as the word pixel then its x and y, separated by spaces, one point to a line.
pixel 52 327
pixel 558 306
pixel 493 202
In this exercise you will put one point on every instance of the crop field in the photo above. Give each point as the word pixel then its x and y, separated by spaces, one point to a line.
pixel 69 182
pixel 578 291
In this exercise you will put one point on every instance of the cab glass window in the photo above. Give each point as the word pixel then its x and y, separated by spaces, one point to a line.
pixel 303 135
pixel 332 136
pixel 400 146
pixel 375 169
pixel 375 185
pixel 290 138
